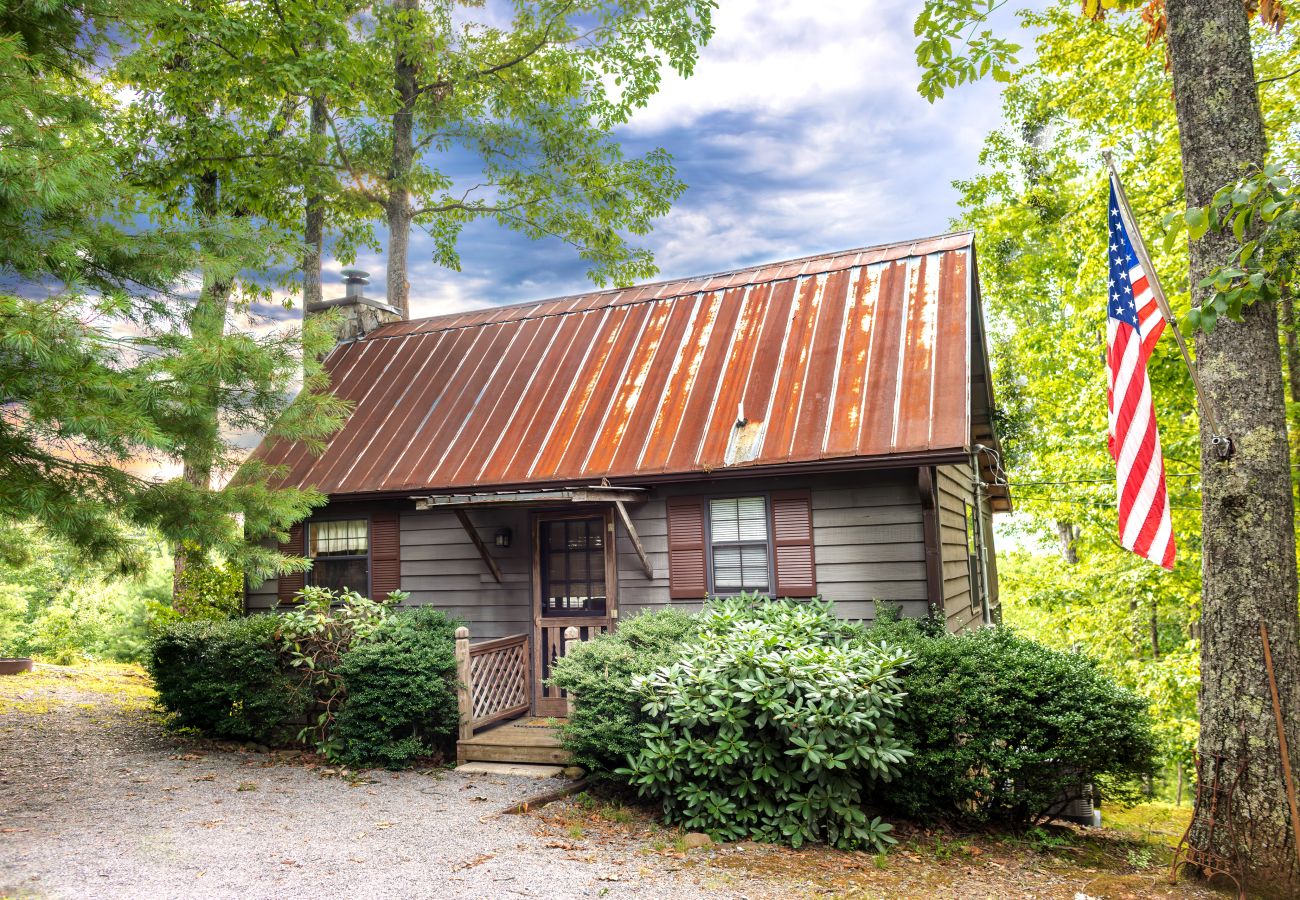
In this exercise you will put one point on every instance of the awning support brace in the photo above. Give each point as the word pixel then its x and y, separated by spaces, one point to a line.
pixel 636 539
pixel 478 542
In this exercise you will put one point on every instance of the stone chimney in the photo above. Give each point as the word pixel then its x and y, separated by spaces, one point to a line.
pixel 358 314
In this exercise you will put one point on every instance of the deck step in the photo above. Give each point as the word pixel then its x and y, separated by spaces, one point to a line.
pixel 530 741
pixel 516 770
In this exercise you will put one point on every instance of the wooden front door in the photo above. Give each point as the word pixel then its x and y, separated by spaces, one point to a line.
pixel 575 584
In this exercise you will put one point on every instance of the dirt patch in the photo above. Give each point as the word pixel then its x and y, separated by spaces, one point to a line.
pixel 1059 862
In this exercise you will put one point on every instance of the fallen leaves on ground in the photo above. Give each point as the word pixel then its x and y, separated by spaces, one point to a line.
pixel 1109 863
pixel 471 863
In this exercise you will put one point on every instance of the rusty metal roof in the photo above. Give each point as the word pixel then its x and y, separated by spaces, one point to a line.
pixel 865 353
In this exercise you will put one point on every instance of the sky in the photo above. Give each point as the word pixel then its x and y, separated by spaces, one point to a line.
pixel 800 132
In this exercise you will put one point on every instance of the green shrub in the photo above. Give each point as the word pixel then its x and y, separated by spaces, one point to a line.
pixel 314 635
pixel 605 724
pixel 225 679
pixel 771 725
pixel 999 724
pixel 400 697
pixel 206 589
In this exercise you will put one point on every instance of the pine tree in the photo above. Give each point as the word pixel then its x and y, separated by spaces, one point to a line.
pixel 104 374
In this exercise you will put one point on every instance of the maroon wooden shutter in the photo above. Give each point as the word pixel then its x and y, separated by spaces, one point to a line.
pixel 792 542
pixel 385 555
pixel 291 584
pixel 687 572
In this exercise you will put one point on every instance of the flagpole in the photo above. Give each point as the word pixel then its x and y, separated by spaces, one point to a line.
pixel 1221 443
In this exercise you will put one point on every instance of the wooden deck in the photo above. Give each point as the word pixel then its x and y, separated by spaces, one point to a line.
pixel 527 740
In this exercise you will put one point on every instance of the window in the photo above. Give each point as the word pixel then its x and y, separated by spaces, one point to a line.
pixel 340 555
pixel 573 567
pixel 973 568
pixel 738 536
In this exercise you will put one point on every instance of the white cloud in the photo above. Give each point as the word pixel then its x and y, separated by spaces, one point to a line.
pixel 801 131
pixel 775 59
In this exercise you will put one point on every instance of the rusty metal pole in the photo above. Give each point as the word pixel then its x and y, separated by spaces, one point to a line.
pixel 1281 739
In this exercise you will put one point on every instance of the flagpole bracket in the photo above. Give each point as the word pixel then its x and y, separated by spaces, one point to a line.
pixel 1222 447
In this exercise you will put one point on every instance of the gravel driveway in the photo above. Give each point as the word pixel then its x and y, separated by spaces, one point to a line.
pixel 96 800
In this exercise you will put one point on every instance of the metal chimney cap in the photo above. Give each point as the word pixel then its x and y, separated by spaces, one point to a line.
pixel 355 276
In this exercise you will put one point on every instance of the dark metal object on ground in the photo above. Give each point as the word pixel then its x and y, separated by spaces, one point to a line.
pixel 15 665
pixel 1211 826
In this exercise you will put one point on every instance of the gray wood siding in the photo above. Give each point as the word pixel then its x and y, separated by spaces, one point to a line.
pixel 441 568
pixel 867 541
pixel 956 490
pixel 264 596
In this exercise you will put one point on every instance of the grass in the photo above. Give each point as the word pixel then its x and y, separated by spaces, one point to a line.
pixel 1160 823
pixel 48 687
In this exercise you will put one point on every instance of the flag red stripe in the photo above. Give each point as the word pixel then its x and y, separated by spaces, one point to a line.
pixel 1135 325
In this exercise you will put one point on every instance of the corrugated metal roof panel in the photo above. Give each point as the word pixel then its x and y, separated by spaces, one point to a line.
pixel 858 353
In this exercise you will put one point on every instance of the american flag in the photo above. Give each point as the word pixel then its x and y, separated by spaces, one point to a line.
pixel 1133 325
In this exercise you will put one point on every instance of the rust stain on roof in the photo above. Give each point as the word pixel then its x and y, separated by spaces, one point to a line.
pixel 857 354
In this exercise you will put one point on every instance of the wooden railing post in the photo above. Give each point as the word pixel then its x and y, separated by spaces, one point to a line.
pixel 464 684
pixel 571 639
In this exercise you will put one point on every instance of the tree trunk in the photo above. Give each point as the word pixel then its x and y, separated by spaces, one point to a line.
pixel 1288 323
pixel 1068 534
pixel 1286 312
pixel 314 220
pixel 398 207
pixel 1155 631
pixel 207 324
pixel 1247 517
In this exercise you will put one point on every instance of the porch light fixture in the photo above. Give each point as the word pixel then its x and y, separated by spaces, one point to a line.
pixel 503 537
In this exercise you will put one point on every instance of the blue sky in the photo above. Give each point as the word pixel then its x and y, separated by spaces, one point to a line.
pixel 800 132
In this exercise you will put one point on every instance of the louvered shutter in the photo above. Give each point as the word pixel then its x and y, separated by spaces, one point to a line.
pixel 385 555
pixel 291 584
pixel 792 543
pixel 687 573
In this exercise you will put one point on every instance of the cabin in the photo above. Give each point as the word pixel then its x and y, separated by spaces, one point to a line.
pixel 815 427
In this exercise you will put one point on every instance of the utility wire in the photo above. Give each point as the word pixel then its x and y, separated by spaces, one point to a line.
pixel 1085 503
pixel 1093 480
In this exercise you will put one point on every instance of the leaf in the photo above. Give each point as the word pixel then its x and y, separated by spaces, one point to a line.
pixel 1240 223
pixel 1197 222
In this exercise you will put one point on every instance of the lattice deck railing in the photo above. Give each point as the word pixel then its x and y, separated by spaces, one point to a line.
pixel 496 680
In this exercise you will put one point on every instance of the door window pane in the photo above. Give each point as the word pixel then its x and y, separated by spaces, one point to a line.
pixel 573 567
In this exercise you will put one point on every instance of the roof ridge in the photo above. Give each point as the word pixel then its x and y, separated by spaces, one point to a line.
pixel 408 331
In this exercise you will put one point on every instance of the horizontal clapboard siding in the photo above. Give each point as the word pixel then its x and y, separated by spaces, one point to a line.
pixel 441 568
pixel 955 492
pixel 264 596
pixel 868 542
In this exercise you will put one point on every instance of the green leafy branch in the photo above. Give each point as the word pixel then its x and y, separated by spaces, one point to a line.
pixel 979 53
pixel 1263 212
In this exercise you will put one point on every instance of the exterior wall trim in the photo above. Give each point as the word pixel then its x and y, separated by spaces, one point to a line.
pixel 814 467
pixel 927 487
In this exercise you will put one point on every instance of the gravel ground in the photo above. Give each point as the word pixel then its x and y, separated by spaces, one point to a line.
pixel 96 800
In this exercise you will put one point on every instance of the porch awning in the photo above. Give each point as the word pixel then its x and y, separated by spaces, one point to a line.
pixel 591 494
pixel 616 497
